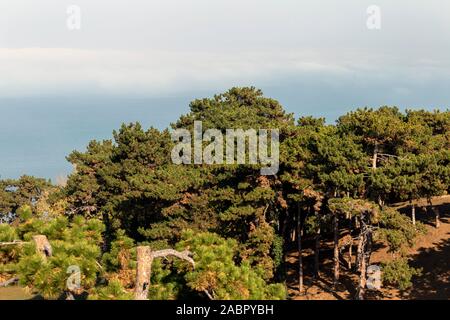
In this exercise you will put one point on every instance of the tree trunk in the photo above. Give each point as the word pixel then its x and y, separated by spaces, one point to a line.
pixel 317 254
pixel 43 247
pixel 438 220
pixel 300 256
pixel 357 223
pixel 293 235
pixel 143 273
pixel 364 253
pixel 283 226
pixel 359 250
pixel 145 258
pixel 362 279
pixel 336 248
pixel 413 213
pixel 436 214
pixel 285 236
pixel 380 201
pixel 375 156
pixel 361 260
pixel 368 251
pixel 69 296
pixel 350 256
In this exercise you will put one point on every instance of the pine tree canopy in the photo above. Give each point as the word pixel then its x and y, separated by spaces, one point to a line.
pixel 333 180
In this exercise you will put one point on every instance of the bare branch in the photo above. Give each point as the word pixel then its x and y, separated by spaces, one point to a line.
pixel 145 258
pixel 8 282
pixel 15 242
pixel 185 255
pixel 208 294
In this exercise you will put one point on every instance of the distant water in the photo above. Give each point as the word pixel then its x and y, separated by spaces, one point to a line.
pixel 36 134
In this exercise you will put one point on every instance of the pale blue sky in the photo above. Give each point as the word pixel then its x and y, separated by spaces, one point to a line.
pixel 145 60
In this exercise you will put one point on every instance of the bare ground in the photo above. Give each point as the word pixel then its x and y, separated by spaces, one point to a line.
pixel 431 253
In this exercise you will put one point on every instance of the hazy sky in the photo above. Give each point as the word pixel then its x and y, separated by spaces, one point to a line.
pixel 169 46
pixel 146 59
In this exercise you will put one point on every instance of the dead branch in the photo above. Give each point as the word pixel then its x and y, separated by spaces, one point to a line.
pixel 43 246
pixel 208 294
pixel 145 257
pixel 15 242
pixel 185 255
pixel 9 282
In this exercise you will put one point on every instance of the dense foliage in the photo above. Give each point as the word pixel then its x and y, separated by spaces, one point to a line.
pixel 333 180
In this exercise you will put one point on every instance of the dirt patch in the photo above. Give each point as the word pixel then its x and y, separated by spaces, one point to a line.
pixel 431 253
pixel 15 293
